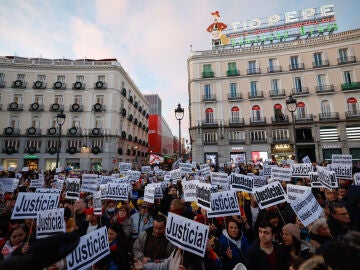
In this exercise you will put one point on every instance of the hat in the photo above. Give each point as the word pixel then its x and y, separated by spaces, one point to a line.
pixel 89 211
pixel 140 202
pixel 7 197
pixel 293 230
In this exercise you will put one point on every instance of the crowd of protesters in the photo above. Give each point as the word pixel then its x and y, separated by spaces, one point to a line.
pixel 271 238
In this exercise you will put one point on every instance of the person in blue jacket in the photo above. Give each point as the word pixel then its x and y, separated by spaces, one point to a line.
pixel 234 244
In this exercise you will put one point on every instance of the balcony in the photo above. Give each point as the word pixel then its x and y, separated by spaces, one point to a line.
pixel 280 119
pixel 352 114
pixel 76 108
pixel 97 132
pixel 52 131
pixel 325 89
pixel 234 96
pixel 100 108
pixel 321 63
pixel 101 85
pixel 259 140
pixel 10 150
pixel 74 131
pixel 210 142
pixel 36 107
pixel 2 84
pixel 209 98
pixel 346 60
pixel 304 118
pixel 234 72
pixel 56 107
pixel 350 86
pixel 274 69
pixel 281 140
pixel 256 95
pixel 236 122
pixel 304 91
pixel 298 66
pixel 252 71
pixel 59 85
pixel 257 120
pixel 78 86
pixel 207 74
pixel 209 123
pixel 39 85
pixel 236 141
pixel 18 84
pixel 31 131
pixel 329 116
pixel 10 131
pixel 31 150
pixel 13 106
pixel 280 93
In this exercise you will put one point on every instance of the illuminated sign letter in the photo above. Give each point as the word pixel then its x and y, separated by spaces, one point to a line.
pixel 235 25
pixel 308 13
pixel 327 10
pixel 291 17
pixel 255 23
pixel 274 19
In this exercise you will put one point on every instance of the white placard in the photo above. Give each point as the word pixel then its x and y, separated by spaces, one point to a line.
pixel 300 169
pixel 295 192
pixel 50 222
pixel 267 169
pixel 28 204
pixel 92 247
pixel 149 194
pixel 218 178
pixel 223 204
pixel 89 183
pixel 115 191
pixel 145 169
pixel 185 167
pixel 326 177
pixel 187 234
pixel 259 181
pixel 97 203
pixel 241 182
pixel 270 195
pixel 281 174
pixel 36 183
pixel 341 159
pixel 48 190
pixel 341 170
pixel 205 170
pixel 8 184
pixel 203 195
pixel 189 189
pixel 314 181
pixel 306 159
pixel 124 166
pixel 175 174
pixel 357 179
pixel 72 188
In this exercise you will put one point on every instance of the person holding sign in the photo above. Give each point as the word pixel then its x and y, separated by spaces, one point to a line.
pixel 234 244
pixel 119 258
pixel 15 246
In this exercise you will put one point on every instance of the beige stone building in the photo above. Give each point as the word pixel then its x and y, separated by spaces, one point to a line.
pixel 106 114
pixel 237 99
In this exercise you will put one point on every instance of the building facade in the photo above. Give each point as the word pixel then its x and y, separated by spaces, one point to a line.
pixel 106 114
pixel 237 99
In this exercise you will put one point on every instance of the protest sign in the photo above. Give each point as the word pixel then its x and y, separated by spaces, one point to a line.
pixel 97 203
pixel 36 183
pixel 158 193
pixel 8 184
pixel 326 177
pixel 205 170
pixel 48 190
pixel 306 159
pixel 341 170
pixel 357 179
pixel 175 175
pixel 314 181
pixel 159 173
pixel 124 166
pixel 104 179
pixel 270 195
pixel 72 188
pixel 295 192
pixel 149 193
pixel 28 204
pixel 89 183
pixel 341 159
pixel 267 169
pixel 145 169
pixel 185 167
pixel 218 178
pixel 50 222
pixel 189 189
pixel 300 169
pixel 92 247
pixel 187 234
pixel 224 203
pixel 203 195
pixel 259 181
pixel 281 174
pixel 241 182
pixel 115 191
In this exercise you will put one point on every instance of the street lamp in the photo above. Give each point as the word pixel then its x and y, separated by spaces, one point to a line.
pixel 179 115
pixel 60 120
pixel 291 105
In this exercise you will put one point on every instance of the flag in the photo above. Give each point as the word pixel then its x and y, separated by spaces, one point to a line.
pixel 155 159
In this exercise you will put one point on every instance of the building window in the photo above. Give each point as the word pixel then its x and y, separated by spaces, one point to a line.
pixel 235 114
pixel 253 88
pixel 301 110
pixel 294 62
pixel 15 122
pixel 347 77
pixel 352 105
pixel 329 134
pixel 39 99
pixel 325 108
pixel 258 135
pixel 237 136
pixel 101 78
pixel 232 66
pixel 207 71
pixel 59 99
pixel 209 115
pixel 2 77
pixel 100 99
pixel 18 98
pixel 76 122
pixel 298 85
pixel 278 112
pixel 274 86
pixel 272 64
pixel 353 133
pixel 35 122
pixel 210 137
pixel 41 78
pixel 343 55
pixel 321 80
pixel 280 134
pixel 233 90
pixel 207 91
pixel 80 78
pixel 78 100
pixel 21 77
pixel 318 59
pixel 252 67
pixel 99 122
pixel 256 112
pixel 61 78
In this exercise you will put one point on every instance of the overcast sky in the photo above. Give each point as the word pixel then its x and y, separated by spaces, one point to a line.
pixel 150 38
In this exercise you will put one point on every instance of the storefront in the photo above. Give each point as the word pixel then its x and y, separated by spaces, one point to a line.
pixel 238 155
pixel 282 151
pixel 96 164
pixel 329 150
pixel 10 163
pixel 32 162
pixel 73 163
pixel 211 158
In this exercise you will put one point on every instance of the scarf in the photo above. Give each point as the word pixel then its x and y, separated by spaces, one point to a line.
pixel 113 245
pixel 121 219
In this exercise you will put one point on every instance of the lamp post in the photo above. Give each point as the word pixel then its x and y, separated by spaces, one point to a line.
pixel 60 120
pixel 179 115
pixel 291 105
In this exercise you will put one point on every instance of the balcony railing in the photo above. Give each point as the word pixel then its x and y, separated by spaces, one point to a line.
pixel 36 107
pixel 251 71
pixel 325 89
pixel 78 86
pixel 255 95
pixel 257 121
pixel 208 74
pixel 274 69
pixel 346 60
pixel 234 96
pixel 236 121
pixel 304 118
pixel 10 131
pixel 304 91
pixel 52 131
pixel 210 142
pixel 277 93
pixel 18 84
pixel 76 107
pixel 352 114
pixel 31 131
pixel 39 85
pixel 279 119
pixel 234 72
pixel 236 141
pixel 210 123
pixel 328 116
pixel 259 140
pixel 350 86
pixel 281 140
pixel 56 107
pixel 321 63
pixel 74 131
pixel 210 98
pixel 298 66
pixel 13 106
